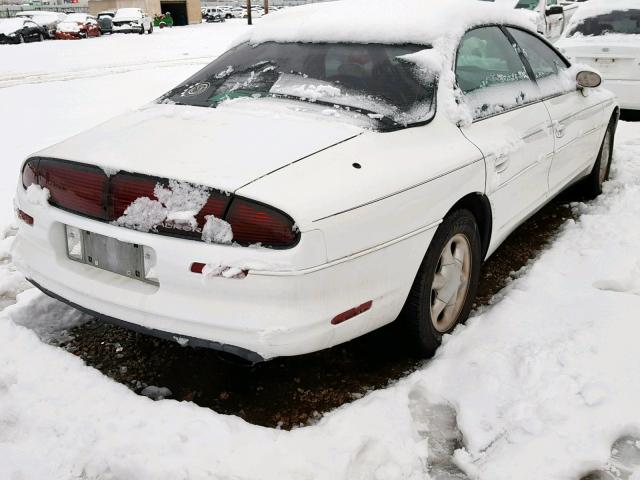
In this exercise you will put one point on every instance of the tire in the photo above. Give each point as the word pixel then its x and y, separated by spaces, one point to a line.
pixel 40 37
pixel 20 38
pixel 459 236
pixel 141 32
pixel 592 185
pixel 150 29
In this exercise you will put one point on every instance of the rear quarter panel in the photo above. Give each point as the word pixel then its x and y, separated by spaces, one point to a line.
pixel 407 181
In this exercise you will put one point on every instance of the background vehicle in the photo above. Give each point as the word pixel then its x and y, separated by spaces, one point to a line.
pixel 105 22
pixel 21 30
pixel 549 16
pixel 77 25
pixel 213 14
pixel 48 20
pixel 132 20
pixel 606 35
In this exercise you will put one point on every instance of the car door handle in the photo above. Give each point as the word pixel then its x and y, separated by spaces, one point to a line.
pixel 501 163
pixel 560 129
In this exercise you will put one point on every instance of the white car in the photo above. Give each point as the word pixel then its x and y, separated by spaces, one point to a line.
pixel 605 34
pixel 132 20
pixel 549 16
pixel 321 181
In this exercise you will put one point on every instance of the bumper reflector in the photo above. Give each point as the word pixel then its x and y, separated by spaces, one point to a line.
pixel 352 312
pixel 26 218
pixel 197 267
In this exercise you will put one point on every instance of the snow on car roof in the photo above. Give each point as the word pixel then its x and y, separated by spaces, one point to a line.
pixel 10 25
pixel 381 21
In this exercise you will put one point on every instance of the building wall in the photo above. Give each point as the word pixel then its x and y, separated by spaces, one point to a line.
pixel 151 7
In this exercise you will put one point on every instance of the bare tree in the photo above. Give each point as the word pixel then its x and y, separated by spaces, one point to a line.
pixel 249 22
pixel 266 6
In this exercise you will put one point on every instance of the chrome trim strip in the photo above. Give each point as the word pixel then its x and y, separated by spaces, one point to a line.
pixel 306 271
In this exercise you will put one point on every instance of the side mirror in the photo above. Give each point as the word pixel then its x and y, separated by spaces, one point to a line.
pixel 555 10
pixel 588 79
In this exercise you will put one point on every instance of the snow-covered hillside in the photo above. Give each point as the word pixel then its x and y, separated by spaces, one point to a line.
pixel 537 386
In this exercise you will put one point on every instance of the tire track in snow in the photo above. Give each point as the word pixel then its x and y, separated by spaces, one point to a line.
pixel 7 81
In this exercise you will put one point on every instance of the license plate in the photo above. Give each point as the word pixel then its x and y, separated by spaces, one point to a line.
pixel 604 61
pixel 106 253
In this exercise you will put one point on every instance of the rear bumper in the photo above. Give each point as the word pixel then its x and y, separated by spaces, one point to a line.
pixel 68 35
pixel 247 355
pixel 127 29
pixel 627 91
pixel 284 306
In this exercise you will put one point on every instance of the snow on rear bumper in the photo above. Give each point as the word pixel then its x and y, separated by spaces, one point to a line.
pixel 284 306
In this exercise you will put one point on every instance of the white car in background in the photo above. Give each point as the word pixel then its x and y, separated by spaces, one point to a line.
pixel 132 20
pixel 605 34
pixel 549 16
pixel 384 165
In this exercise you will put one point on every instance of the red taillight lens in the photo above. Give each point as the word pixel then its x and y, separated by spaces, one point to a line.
pixel 87 190
pixel 30 173
pixel 126 188
pixel 80 188
pixel 216 205
pixel 253 223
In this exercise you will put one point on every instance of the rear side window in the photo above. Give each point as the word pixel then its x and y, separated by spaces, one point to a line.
pixel 491 74
pixel 543 60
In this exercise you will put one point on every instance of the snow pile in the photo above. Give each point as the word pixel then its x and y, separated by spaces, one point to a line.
pixel 216 230
pixel 37 195
pixel 175 207
pixel 143 214
pixel 381 21
pixel 183 202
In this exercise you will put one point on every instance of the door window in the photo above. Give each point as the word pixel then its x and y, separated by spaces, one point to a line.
pixel 490 73
pixel 547 65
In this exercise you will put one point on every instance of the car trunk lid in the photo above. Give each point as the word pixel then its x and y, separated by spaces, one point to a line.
pixel 225 148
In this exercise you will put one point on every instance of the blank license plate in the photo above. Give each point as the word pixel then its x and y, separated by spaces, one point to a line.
pixel 111 254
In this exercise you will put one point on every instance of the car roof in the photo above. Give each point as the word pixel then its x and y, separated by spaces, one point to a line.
pixel 422 22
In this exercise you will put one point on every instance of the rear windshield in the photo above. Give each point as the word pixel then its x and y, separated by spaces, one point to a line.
pixel 626 22
pixel 371 79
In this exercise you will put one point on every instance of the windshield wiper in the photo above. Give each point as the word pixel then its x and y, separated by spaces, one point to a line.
pixel 388 122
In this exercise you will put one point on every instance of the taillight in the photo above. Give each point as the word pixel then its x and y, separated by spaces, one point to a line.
pixel 76 187
pixel 125 188
pixel 216 205
pixel 29 173
pixel 87 190
pixel 255 223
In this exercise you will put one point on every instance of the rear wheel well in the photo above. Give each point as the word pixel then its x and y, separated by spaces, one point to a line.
pixel 479 205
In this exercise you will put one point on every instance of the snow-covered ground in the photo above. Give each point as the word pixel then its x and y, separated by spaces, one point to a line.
pixel 537 386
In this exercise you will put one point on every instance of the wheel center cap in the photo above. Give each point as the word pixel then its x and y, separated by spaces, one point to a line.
pixel 453 276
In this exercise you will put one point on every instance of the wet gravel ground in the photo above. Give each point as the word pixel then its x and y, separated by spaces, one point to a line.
pixel 289 392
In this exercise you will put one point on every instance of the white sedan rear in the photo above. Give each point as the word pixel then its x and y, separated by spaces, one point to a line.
pixel 605 34
pixel 322 179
